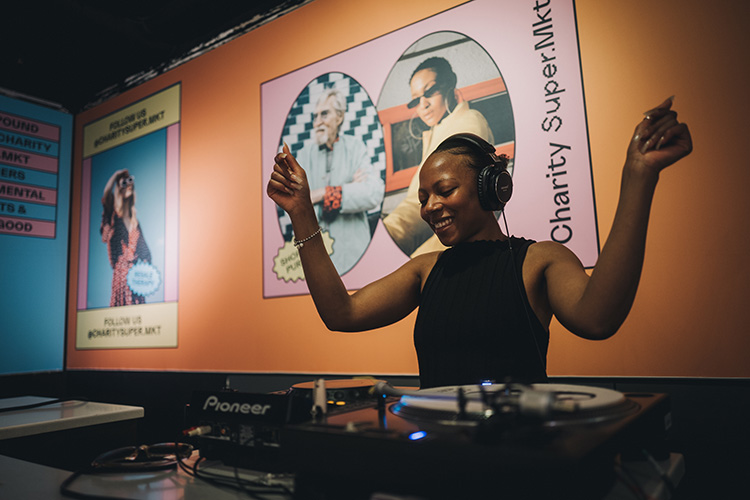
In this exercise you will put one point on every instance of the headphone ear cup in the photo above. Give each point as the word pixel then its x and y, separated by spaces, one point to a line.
pixel 483 182
pixel 504 186
pixel 494 187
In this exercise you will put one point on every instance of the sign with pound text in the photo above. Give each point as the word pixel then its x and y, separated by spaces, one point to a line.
pixel 35 151
pixel 127 273
pixel 29 168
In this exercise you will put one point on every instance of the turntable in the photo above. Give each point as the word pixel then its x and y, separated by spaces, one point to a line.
pixel 501 441
pixel 546 405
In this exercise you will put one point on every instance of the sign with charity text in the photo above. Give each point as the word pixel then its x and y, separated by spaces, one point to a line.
pixel 35 169
pixel 362 121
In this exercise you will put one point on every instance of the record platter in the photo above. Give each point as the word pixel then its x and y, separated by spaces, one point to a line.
pixel 501 440
pixel 543 404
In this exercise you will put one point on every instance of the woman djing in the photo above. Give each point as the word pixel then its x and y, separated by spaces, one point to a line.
pixel 485 304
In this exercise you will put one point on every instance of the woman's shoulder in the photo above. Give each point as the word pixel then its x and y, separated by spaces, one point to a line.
pixel 546 248
pixel 469 117
pixel 541 254
pixel 426 260
pixel 421 265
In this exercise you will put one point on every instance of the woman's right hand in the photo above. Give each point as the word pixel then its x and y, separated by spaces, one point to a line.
pixel 107 195
pixel 288 186
pixel 659 140
pixel 122 172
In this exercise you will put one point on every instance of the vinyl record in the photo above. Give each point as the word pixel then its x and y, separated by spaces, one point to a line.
pixel 554 404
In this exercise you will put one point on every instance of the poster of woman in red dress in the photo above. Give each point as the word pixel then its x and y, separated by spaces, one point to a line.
pixel 122 234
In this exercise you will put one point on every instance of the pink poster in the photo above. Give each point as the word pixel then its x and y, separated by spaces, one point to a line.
pixel 512 70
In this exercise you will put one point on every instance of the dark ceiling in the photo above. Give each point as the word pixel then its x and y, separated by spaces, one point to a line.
pixel 73 52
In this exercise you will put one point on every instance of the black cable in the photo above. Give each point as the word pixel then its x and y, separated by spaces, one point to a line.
pixel 629 482
pixel 462 401
pixel 238 479
pixel 38 405
pixel 521 291
pixel 239 484
pixel 66 491
pixel 663 475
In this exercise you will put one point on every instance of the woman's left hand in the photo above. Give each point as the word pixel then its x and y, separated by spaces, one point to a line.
pixel 288 186
pixel 660 140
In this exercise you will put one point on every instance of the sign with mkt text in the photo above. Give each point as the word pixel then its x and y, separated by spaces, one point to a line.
pixel 510 68
pixel 127 278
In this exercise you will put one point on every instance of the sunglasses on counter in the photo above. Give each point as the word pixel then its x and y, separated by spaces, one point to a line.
pixel 146 457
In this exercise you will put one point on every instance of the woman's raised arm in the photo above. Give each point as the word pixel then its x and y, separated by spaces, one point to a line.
pixel 595 307
pixel 378 304
pixel 108 199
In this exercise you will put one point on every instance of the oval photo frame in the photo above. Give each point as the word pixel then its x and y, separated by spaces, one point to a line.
pixel 482 106
pixel 355 164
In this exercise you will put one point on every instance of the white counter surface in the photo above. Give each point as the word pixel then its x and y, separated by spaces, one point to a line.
pixel 58 416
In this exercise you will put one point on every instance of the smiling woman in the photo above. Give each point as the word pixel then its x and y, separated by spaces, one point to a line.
pixel 445 190
pixel 448 197
pixel 486 303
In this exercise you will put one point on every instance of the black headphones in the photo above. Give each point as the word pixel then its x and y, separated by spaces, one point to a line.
pixel 494 183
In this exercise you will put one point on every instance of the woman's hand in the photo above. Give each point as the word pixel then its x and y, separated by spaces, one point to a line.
pixel 288 186
pixel 595 307
pixel 659 140
pixel 107 195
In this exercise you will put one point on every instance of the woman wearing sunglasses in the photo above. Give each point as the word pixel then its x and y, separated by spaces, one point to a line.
pixel 435 102
pixel 122 234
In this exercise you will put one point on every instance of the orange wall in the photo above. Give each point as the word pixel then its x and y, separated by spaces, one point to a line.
pixel 686 320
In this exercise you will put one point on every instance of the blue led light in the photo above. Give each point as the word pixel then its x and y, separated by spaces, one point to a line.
pixel 417 435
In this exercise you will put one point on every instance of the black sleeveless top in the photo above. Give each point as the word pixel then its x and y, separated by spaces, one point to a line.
pixel 475 322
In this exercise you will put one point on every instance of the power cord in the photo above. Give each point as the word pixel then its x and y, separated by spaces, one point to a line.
pixel 659 470
pixel 246 486
pixel 66 491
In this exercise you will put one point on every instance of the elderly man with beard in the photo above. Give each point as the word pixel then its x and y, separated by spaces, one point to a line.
pixel 343 184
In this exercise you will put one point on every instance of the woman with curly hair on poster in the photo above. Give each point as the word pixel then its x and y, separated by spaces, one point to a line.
pixel 122 233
